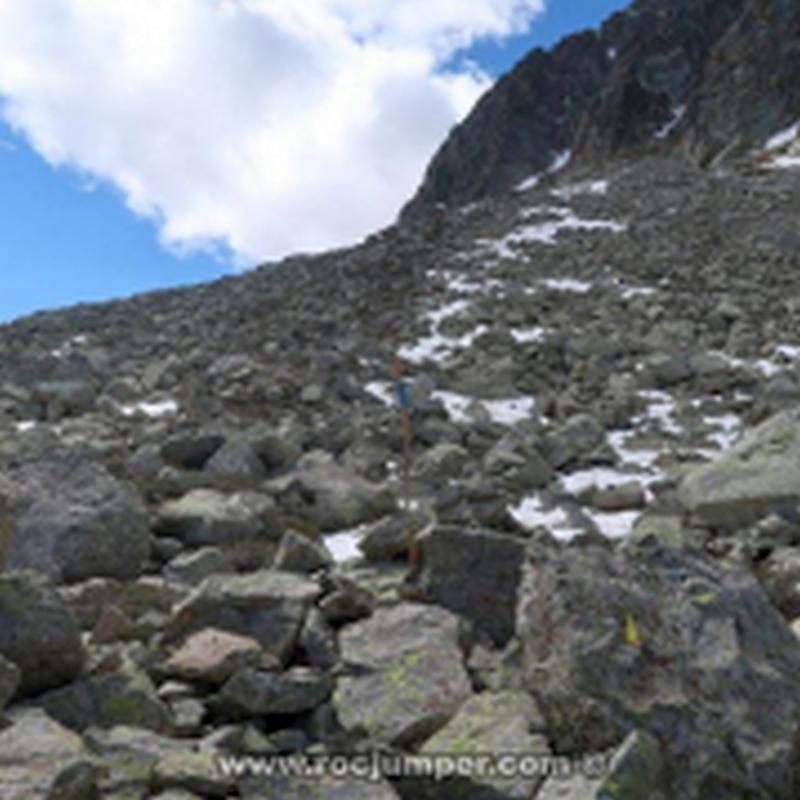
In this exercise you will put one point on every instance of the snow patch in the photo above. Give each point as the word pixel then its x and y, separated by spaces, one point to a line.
pixel 661 408
pixel 666 130
pixel 343 545
pixel 629 292
pixel 530 514
pixel 559 162
pixel 529 183
pixel 528 335
pixel 567 285
pixel 784 137
pixel 585 187
pixel 503 412
pixel 510 412
pixel 726 431
pixel 455 404
pixel 614 525
pixel 154 410
pixel 786 162
pixel 601 477
pixel 382 391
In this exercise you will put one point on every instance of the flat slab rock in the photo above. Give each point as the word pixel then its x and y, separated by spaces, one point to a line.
pixel 408 677
pixel 211 656
pixel 758 476
pixel 268 606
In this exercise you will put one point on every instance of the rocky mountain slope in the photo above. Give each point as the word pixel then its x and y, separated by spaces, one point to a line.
pixel 709 78
pixel 204 509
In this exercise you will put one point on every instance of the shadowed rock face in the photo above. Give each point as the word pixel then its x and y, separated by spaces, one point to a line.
pixel 692 74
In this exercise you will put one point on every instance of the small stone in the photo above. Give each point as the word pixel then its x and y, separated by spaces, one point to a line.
pixel 113 626
pixel 212 656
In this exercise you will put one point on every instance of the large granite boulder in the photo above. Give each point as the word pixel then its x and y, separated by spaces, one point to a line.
pixel 329 496
pixel 501 723
pixel 405 674
pixel 38 633
pixel 674 645
pixel 75 521
pixel 758 476
pixel 474 573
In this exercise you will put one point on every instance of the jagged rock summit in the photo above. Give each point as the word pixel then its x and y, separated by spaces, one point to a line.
pixel 707 78
pixel 206 496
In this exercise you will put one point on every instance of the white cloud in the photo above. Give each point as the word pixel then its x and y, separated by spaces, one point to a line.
pixel 270 125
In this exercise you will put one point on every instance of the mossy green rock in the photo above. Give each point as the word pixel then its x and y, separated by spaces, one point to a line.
pixel 499 723
pixel 408 678
pixel 633 772
pixel 121 698
pixel 34 751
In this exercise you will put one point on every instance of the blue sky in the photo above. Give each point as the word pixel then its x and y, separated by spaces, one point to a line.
pixel 67 237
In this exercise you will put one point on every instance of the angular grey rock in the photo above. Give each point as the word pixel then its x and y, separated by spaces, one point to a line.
pixel 331 497
pixel 8 504
pixel 210 517
pixel 34 752
pixel 779 574
pixel 191 451
pixel 501 723
pixel 142 763
pixel 521 465
pixel 64 398
pixel 194 771
pixel 268 606
pixel 212 656
pixel 9 681
pixel 621 497
pixel 578 436
pixel 236 461
pixel 318 641
pixel 196 566
pixel 670 643
pixel 756 477
pixel 408 678
pixel 127 697
pixel 474 573
pixel 38 633
pixel 633 772
pixel 75 521
pixel 257 693
pixel 386 540
pixel 298 553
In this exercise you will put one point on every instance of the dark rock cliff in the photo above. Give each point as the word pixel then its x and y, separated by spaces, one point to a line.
pixel 706 76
